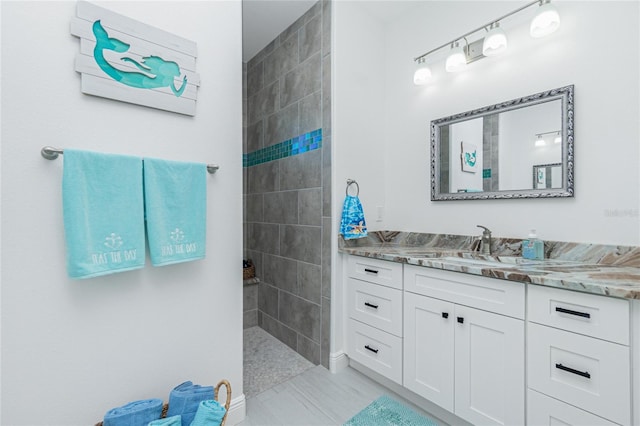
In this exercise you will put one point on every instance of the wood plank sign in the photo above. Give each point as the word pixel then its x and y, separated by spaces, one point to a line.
pixel 126 60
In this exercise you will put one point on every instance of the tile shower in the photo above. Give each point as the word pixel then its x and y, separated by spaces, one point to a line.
pixel 287 182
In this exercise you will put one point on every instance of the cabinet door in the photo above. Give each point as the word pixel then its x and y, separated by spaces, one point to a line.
pixel 489 379
pixel 429 348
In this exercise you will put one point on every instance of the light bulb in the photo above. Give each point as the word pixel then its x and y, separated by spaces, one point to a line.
pixel 495 42
pixel 540 141
pixel 457 60
pixel 558 138
pixel 423 74
pixel 546 21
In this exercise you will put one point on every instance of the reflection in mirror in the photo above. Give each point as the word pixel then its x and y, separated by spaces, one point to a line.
pixel 490 152
pixel 547 176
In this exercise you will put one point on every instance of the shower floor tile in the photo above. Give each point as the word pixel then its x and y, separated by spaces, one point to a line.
pixel 268 362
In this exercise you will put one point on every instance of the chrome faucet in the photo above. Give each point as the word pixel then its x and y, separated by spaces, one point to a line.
pixel 485 242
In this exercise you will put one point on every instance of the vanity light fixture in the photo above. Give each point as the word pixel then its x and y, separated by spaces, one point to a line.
pixel 546 21
pixel 540 141
pixel 495 42
pixel 457 59
pixel 423 73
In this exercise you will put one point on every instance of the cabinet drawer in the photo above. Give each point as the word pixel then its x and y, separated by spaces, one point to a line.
pixel 489 294
pixel 376 271
pixel 376 305
pixel 380 351
pixel 589 373
pixel 546 411
pixel 592 315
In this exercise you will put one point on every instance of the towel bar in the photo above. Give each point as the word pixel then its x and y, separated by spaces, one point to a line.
pixel 51 153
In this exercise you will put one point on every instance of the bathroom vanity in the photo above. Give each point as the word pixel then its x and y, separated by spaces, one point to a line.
pixel 498 339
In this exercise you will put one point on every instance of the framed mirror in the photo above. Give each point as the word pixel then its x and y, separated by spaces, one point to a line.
pixel 490 152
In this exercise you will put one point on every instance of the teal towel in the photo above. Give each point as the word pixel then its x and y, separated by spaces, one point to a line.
pixel 103 211
pixel 175 196
pixel 168 421
pixel 185 400
pixel 209 413
pixel 352 224
pixel 135 413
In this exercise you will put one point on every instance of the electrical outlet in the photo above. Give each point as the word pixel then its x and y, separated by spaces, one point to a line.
pixel 379 213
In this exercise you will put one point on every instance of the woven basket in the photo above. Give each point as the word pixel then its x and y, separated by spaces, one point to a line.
pixel 226 384
pixel 248 272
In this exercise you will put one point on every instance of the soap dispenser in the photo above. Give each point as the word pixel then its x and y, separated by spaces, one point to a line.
pixel 533 248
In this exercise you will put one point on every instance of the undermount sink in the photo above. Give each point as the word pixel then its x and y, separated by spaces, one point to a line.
pixel 511 262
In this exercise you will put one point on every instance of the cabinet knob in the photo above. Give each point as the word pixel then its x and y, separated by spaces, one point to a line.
pixel 460 320
pixel 445 315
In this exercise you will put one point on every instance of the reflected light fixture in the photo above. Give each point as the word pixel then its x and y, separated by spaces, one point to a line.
pixel 457 59
pixel 495 42
pixel 546 21
pixel 423 73
pixel 541 141
pixel 558 138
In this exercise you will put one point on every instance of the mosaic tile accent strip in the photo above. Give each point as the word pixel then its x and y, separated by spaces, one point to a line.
pixel 298 145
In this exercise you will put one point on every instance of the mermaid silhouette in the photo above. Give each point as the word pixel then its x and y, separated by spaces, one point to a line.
pixel 164 72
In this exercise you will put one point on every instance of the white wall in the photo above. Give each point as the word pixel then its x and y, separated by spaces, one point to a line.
pixel 603 65
pixel 73 349
pixel 357 99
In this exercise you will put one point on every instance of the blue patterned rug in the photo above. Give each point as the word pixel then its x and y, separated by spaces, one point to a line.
pixel 385 411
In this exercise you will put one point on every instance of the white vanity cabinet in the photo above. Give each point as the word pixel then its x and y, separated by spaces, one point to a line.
pixel 578 358
pixel 467 344
pixel 464 344
pixel 374 305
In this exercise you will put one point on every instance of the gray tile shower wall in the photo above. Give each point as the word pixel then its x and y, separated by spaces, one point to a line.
pixel 287 207
pixel 250 305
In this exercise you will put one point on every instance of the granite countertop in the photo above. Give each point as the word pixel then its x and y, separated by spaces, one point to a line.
pixel 598 269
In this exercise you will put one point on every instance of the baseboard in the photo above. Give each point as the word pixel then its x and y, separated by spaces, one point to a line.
pixel 237 410
pixel 338 361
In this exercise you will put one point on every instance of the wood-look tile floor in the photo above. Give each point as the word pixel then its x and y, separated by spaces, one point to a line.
pixel 316 397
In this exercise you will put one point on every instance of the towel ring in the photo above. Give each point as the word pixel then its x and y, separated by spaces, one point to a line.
pixel 351 182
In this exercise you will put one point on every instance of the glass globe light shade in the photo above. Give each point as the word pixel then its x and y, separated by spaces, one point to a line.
pixel 546 21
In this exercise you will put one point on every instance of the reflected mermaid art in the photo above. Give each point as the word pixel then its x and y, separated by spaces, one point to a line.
pixel 156 72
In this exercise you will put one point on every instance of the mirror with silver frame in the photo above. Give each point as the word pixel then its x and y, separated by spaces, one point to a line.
pixel 489 153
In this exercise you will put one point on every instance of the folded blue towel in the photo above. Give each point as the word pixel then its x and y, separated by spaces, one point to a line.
pixel 103 210
pixel 175 196
pixel 167 421
pixel 210 413
pixel 136 413
pixel 353 224
pixel 185 399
